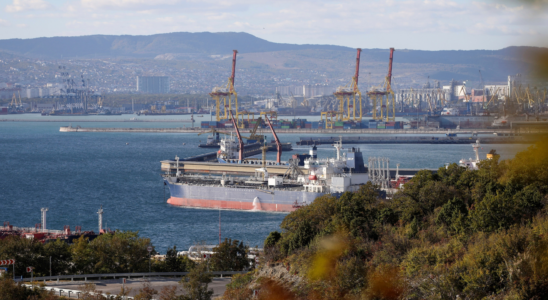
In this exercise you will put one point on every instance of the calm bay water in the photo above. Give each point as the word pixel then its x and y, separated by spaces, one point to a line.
pixel 73 174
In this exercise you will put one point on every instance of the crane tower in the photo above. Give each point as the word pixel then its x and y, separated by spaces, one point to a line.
pixel 384 94
pixel 347 95
pixel 223 94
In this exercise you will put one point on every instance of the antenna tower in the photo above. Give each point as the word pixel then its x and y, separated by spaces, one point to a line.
pixel 100 213
pixel 44 211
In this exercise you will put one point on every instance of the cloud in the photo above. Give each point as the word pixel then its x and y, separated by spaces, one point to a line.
pixel 26 5
pixel 4 23
pixel 357 23
pixel 126 4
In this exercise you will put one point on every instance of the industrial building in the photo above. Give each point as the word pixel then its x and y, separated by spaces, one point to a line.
pixel 153 84
pixel 307 91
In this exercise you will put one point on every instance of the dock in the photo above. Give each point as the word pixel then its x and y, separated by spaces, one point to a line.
pixel 294 131
pixel 512 139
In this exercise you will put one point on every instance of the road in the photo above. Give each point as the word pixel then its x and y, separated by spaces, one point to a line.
pixel 113 286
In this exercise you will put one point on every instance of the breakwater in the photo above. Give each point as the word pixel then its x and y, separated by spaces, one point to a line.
pixel 297 131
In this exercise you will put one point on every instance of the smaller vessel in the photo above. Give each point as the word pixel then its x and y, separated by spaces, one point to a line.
pixel 449 111
pixel 472 164
pixel 500 122
pixel 211 142
pixel 450 134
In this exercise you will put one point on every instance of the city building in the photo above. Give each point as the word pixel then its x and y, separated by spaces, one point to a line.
pixel 153 84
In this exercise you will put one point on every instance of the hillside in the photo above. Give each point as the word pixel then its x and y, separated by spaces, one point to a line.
pixel 141 46
pixel 209 51
pixel 453 234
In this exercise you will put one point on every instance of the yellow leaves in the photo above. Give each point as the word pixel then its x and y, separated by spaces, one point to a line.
pixel 385 283
pixel 324 261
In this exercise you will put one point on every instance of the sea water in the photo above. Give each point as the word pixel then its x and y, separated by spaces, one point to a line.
pixel 73 174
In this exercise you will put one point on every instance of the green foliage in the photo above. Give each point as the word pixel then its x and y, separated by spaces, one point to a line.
pixel 29 253
pixel 506 207
pixel 301 226
pixel 272 239
pixel 230 255
pixel 121 252
pixel 9 290
pixel 237 289
pixel 453 214
pixel 356 212
pixel 173 262
pixel 457 233
pixel 196 284
pixel 414 228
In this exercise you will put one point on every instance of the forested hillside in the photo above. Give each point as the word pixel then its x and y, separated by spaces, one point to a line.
pixel 458 233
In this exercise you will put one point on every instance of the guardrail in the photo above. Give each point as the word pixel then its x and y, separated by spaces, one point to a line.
pixel 123 275
pixel 76 293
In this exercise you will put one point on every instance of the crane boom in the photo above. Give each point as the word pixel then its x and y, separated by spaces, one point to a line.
pixel 232 76
pixel 357 69
pixel 389 77
pixel 240 141
pixel 482 85
pixel 278 144
pixel 253 133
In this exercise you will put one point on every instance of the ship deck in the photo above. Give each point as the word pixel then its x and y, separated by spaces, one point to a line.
pixel 248 168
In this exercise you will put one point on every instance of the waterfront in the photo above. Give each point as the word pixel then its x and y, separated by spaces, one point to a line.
pixel 74 173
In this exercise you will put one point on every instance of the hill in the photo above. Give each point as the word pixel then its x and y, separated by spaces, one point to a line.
pixel 205 43
pixel 207 49
pixel 453 234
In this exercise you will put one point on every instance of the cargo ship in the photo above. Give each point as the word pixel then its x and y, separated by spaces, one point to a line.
pixel 261 185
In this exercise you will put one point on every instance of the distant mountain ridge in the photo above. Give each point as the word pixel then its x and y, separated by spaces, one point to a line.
pixel 148 46
pixel 496 65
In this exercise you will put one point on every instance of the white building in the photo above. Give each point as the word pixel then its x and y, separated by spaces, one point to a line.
pixel 153 84
pixel 30 93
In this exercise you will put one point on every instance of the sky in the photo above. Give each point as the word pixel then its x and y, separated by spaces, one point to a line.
pixel 406 24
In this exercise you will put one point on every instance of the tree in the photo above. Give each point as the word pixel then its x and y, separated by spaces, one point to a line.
pixel 357 212
pixel 196 284
pixel 82 258
pixel 230 255
pixel 272 239
pixel 146 292
pixel 61 256
pixel 122 251
pixel 26 252
pixel 9 290
pixel 450 211
pixel 174 262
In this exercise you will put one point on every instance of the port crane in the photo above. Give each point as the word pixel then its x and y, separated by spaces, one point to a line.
pixel 494 95
pixel 482 86
pixel 240 141
pixel 225 93
pixel 380 93
pixel 347 94
pixel 278 144
pixel 253 136
pixel 16 102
